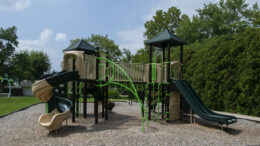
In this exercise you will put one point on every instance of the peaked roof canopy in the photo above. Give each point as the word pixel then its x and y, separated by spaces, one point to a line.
pixel 163 38
pixel 81 46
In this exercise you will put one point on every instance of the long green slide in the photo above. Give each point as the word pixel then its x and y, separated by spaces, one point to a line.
pixel 198 106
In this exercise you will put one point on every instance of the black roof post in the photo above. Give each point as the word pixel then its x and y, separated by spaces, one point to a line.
pixel 97 88
pixel 181 59
pixel 168 80
pixel 150 80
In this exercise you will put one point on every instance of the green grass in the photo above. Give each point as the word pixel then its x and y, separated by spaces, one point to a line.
pixel 112 100
pixel 14 103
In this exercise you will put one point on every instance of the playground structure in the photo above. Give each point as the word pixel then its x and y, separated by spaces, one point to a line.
pixel 157 86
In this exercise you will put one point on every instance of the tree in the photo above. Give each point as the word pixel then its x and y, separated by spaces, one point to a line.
pixel 22 66
pixel 163 20
pixel 127 56
pixel 40 63
pixel 141 56
pixel 8 42
pixel 30 65
pixel 104 43
pixel 226 17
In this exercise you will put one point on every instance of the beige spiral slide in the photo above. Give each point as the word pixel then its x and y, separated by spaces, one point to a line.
pixel 43 90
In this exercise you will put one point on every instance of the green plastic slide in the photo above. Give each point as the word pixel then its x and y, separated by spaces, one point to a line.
pixel 198 106
pixel 187 85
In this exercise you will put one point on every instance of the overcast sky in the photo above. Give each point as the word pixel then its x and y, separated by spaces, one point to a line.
pixel 48 25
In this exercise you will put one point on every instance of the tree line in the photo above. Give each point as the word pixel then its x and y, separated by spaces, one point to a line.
pixel 20 65
pixel 221 58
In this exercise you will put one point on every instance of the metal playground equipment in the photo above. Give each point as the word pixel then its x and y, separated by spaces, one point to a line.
pixel 88 70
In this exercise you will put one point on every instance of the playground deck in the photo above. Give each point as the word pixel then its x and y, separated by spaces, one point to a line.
pixel 123 128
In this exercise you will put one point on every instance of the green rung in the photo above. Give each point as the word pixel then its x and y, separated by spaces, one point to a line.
pixel 167 94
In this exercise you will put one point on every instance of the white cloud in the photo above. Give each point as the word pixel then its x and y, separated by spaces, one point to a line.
pixel 60 37
pixel 14 5
pixel 45 44
pixel 44 38
pixel 132 39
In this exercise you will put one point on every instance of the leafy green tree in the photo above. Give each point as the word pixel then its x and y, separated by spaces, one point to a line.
pixel 30 65
pixel 224 70
pixel 22 66
pixel 256 16
pixel 163 20
pixel 104 43
pixel 141 56
pixel 40 63
pixel 8 42
pixel 127 55
pixel 225 17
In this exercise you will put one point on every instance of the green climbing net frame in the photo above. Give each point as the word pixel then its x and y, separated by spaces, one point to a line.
pixel 131 89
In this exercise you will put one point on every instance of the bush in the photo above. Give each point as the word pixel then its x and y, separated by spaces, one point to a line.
pixel 113 93
pixel 224 70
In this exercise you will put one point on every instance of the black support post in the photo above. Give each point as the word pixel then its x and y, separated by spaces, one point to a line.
pixel 181 59
pixel 168 80
pixel 106 90
pixel 73 93
pixel 77 99
pixel 163 95
pixel 103 101
pixel 85 102
pixel 150 80
pixel 143 97
pixel 97 89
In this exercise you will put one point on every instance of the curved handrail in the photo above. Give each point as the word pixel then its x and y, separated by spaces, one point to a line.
pixel 133 90
pixel 9 83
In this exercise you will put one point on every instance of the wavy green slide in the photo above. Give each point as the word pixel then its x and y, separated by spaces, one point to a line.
pixel 198 106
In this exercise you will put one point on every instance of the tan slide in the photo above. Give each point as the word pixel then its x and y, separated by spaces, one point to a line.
pixel 53 121
pixel 43 90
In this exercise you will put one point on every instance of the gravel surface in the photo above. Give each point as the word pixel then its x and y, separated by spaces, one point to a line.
pixel 123 128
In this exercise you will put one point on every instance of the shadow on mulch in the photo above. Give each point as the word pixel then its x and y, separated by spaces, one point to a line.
pixel 114 122
pixel 67 130
pixel 202 122
pixel 216 126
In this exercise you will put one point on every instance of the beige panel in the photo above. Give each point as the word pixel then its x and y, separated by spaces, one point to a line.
pixel 90 69
pixel 42 90
pixel 174 106
pixel 67 62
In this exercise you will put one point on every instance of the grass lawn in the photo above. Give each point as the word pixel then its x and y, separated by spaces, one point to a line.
pixel 14 103
pixel 112 100
pixel 8 105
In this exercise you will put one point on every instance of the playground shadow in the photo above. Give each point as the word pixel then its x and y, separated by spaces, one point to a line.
pixel 186 120
pixel 67 130
pixel 114 122
pixel 216 126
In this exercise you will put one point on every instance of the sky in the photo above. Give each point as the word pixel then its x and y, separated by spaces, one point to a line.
pixel 49 25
